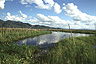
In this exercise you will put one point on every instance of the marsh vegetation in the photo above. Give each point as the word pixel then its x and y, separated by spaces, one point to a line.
pixel 64 51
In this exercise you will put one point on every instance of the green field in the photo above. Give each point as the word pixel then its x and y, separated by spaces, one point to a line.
pixel 64 52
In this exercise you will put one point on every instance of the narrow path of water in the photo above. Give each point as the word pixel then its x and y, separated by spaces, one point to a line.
pixel 45 42
pixel 48 39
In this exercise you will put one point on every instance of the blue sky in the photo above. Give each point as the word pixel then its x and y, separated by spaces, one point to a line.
pixel 80 14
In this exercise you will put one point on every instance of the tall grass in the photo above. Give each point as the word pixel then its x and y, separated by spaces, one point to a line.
pixel 10 35
pixel 16 54
pixel 66 53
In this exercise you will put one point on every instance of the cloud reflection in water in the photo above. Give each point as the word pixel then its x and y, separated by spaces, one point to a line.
pixel 48 38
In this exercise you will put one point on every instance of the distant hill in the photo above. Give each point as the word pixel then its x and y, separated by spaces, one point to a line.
pixel 41 27
pixel 17 24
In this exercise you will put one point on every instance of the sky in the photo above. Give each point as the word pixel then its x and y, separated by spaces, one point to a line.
pixel 79 14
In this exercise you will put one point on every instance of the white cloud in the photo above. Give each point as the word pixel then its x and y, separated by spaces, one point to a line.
pixel 23 15
pixel 73 11
pixel 40 3
pixel 63 3
pixel 51 2
pixel 16 17
pixel 53 21
pixel 57 8
pixel 41 17
pixel 80 20
pixel 23 2
pixel 13 17
pixel 44 4
pixel 2 4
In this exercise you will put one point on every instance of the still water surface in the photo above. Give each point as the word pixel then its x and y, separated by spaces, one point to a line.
pixel 48 39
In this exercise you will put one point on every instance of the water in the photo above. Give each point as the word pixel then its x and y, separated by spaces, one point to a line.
pixel 48 39
pixel 95 47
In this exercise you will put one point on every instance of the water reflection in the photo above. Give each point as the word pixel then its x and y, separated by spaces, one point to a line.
pixel 95 47
pixel 48 38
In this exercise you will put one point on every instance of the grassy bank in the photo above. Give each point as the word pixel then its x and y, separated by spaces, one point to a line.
pixel 75 31
pixel 65 52
pixel 10 35
pixel 18 54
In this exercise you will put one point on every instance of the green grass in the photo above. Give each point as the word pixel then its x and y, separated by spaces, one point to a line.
pixel 65 52
pixel 10 35
pixel 17 54
pixel 74 31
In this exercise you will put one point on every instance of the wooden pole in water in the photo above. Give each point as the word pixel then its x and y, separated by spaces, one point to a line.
pixel 71 34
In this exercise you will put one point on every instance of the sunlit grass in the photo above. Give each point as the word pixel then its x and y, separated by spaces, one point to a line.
pixel 10 35
pixel 18 54
pixel 11 53
pixel 65 52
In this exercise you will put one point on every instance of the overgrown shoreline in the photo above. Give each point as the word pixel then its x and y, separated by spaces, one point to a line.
pixel 10 35
pixel 12 53
pixel 74 31
pixel 64 52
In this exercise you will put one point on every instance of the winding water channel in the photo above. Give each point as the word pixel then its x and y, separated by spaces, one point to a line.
pixel 48 39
